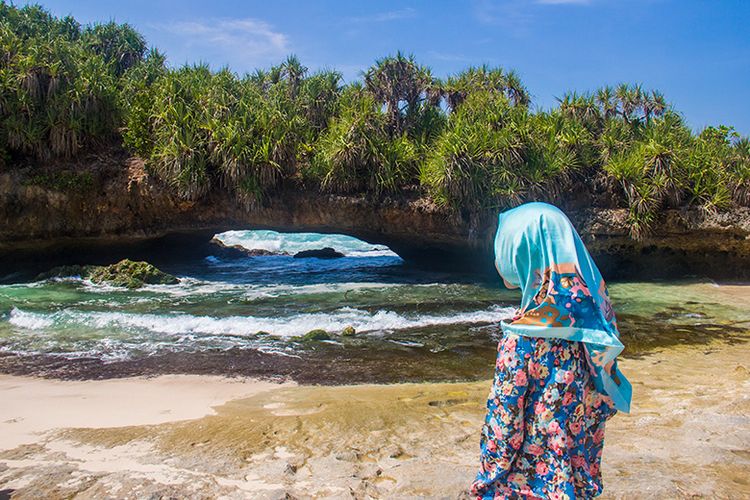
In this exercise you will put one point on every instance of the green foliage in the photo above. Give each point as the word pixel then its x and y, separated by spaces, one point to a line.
pixel 484 79
pixel 119 45
pixel 493 153
pixel 357 153
pixel 55 96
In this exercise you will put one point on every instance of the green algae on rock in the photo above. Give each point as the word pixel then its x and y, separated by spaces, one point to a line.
pixel 317 334
pixel 126 273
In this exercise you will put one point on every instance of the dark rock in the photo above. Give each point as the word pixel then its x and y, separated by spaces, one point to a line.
pixel 319 253
pixel 65 272
pixel 317 334
pixel 222 250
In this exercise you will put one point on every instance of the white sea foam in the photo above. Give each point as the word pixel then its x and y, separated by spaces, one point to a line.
pixel 30 320
pixel 298 324
pixel 296 242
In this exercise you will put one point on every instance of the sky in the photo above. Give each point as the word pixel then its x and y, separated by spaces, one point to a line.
pixel 696 52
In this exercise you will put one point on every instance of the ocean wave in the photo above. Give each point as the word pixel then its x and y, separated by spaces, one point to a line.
pixel 286 327
pixel 296 242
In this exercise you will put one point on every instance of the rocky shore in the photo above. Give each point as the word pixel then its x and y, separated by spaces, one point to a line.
pixel 687 436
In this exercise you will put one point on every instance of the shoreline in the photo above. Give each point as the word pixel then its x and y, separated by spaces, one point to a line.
pixel 687 437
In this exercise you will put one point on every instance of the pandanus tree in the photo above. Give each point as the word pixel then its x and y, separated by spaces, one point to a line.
pixel 402 86
pixel 581 108
pixel 494 154
pixel 120 45
pixel 55 96
pixel 356 152
pixel 293 72
pixel 484 78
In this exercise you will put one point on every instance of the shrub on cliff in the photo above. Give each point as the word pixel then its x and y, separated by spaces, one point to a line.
pixel 496 154
pixel 471 141
pixel 58 84
pixel 200 129
pixel 356 152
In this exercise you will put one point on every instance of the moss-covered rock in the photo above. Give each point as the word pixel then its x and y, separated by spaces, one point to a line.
pixel 316 334
pixel 131 274
pixel 127 273
pixel 348 331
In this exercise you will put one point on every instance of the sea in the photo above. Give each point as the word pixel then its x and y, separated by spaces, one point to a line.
pixel 248 315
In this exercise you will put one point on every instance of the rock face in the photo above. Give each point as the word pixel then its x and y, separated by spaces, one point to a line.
pixel 127 214
pixel 319 253
pixel 126 273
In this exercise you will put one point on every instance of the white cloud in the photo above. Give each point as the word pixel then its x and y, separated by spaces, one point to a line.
pixel 247 40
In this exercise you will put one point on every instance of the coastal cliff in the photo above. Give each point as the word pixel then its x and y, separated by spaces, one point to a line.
pixel 112 208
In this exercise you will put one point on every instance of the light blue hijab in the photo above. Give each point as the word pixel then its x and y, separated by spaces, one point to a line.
pixel 564 295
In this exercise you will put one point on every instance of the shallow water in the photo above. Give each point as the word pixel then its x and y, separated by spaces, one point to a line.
pixel 244 316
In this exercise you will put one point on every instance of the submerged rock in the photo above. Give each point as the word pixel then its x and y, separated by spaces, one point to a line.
pixel 127 273
pixel 316 334
pixel 221 249
pixel 319 253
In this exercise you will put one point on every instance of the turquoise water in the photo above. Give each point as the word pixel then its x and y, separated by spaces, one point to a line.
pixel 245 316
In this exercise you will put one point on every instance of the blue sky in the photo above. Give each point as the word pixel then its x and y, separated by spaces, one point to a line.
pixel 697 52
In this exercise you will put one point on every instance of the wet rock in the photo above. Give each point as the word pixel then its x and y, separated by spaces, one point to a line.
pixel 320 253
pixel 65 272
pixel 219 249
pixel 348 331
pixel 131 274
pixel 316 334
pixel 127 273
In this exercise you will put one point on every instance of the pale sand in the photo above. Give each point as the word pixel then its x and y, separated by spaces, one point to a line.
pixel 687 437
pixel 32 406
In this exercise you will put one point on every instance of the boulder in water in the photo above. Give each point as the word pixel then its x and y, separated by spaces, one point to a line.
pixel 131 274
pixel 319 253
pixel 221 249
pixel 127 273
pixel 316 334
pixel 348 331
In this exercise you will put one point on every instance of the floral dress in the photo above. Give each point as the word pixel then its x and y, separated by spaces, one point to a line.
pixel 544 431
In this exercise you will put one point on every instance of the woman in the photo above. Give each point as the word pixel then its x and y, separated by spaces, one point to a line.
pixel 556 378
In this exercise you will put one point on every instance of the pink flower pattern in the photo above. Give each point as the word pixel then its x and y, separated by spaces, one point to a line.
pixel 544 431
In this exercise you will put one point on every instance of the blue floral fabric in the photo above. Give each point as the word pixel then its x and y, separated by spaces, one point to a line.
pixel 544 431
pixel 563 294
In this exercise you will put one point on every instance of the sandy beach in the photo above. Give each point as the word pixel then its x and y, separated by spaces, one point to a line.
pixel 210 437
